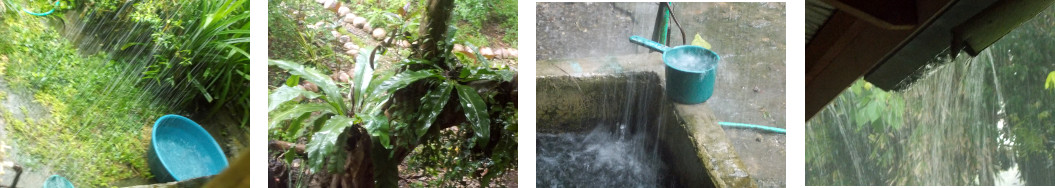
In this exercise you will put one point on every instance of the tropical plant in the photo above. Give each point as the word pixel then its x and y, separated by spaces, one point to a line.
pixel 206 56
pixel 399 111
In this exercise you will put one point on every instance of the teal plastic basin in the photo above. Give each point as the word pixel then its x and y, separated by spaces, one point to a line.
pixel 180 149
pixel 56 181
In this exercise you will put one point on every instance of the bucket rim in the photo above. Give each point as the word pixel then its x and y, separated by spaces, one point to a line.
pixel 717 59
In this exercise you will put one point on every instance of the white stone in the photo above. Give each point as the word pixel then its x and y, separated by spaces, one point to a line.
pixel 368 27
pixel 458 48
pixel 512 53
pixel 359 22
pixel 379 33
pixel 487 52
pixel 343 11
pixel 501 53
pixel 344 39
pixel 348 18
pixel 352 53
pixel 329 4
pixel 349 46
pixel 335 34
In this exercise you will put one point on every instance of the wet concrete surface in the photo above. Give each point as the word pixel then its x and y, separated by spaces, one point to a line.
pixel 592 38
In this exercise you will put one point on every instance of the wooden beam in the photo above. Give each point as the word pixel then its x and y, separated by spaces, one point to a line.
pixel 843 50
pixel 886 14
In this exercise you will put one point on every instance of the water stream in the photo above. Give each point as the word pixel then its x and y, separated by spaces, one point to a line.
pixel 600 158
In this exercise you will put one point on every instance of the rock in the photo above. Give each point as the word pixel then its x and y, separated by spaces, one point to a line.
pixel 329 4
pixel 343 11
pixel 319 24
pixel 344 39
pixel 335 34
pixel 340 76
pixel 512 53
pixel 358 22
pixel 348 18
pixel 458 48
pixel 368 27
pixel 309 86
pixel 379 33
pixel 487 52
pixel 352 53
pixel 500 53
pixel 403 44
pixel 320 1
pixel 343 77
pixel 349 45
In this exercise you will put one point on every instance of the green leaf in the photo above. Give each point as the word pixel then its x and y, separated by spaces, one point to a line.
pixel 318 78
pixel 484 73
pixel 296 111
pixel 363 74
pixel 1050 82
pixel 285 94
pixel 399 81
pixel 377 126
pixel 295 126
pixel 293 81
pixel 698 41
pixel 434 101
pixel 475 112
pixel 324 142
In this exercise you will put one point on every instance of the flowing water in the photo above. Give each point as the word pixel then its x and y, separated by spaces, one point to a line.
pixel 940 131
pixel 600 158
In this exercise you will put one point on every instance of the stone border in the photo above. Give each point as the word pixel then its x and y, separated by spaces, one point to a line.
pixel 349 21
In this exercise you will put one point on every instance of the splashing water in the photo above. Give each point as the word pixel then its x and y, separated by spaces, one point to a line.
pixel 942 130
pixel 601 158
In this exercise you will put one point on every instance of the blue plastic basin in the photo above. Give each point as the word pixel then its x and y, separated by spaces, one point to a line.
pixel 180 149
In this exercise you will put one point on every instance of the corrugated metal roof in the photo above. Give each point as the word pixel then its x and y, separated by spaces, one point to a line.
pixel 817 13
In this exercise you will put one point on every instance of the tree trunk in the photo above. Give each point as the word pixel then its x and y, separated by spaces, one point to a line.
pixel 434 27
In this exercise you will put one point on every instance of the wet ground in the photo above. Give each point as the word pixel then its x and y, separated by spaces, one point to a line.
pixel 592 38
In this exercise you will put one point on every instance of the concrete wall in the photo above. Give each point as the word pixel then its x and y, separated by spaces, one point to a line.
pixel 694 148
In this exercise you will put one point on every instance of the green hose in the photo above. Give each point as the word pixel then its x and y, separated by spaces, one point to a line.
pixel 750 126
pixel 43 14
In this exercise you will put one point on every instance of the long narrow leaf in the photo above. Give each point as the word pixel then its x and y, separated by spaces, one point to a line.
pixel 324 142
pixel 397 82
pixel 476 112
pixel 363 75
pixel 434 101
pixel 314 76
pixel 296 111
pixel 285 94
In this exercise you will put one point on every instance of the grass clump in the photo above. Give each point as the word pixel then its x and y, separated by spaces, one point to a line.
pixel 91 125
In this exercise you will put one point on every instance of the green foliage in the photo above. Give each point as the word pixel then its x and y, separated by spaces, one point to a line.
pixel 476 15
pixel 205 53
pixel 86 120
pixel 403 125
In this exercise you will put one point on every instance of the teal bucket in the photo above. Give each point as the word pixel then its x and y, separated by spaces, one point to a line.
pixel 690 71
pixel 56 181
